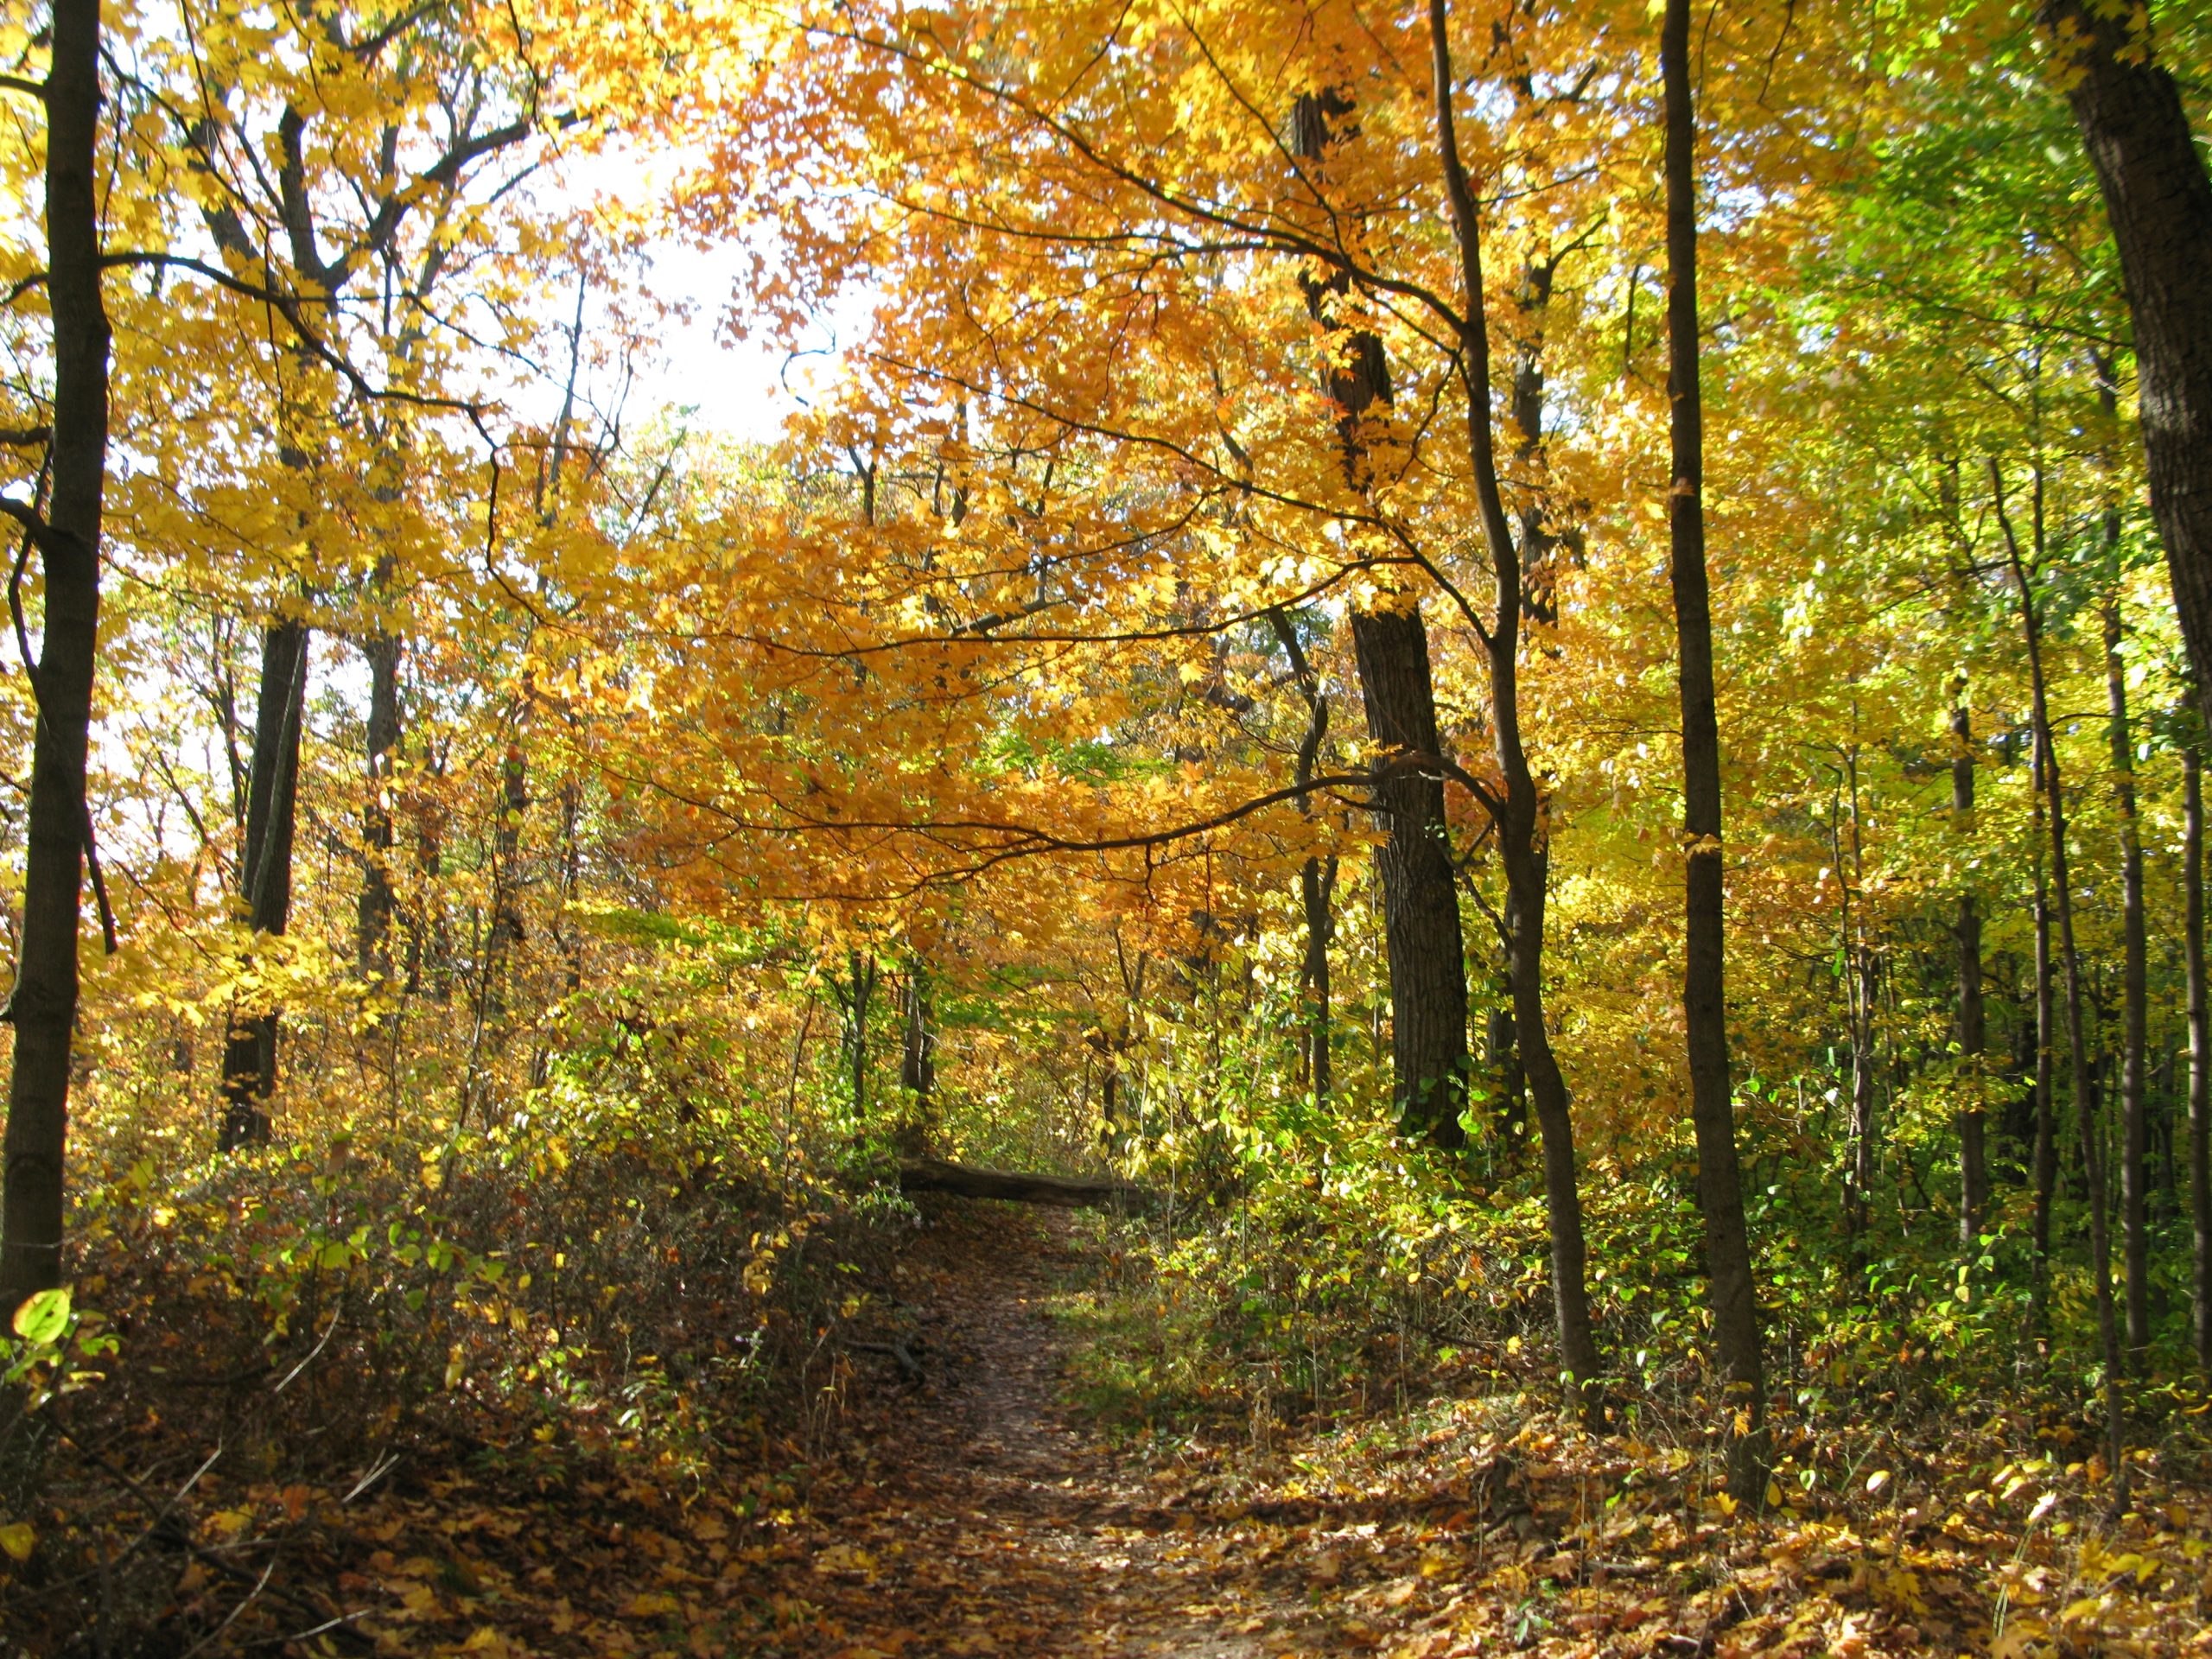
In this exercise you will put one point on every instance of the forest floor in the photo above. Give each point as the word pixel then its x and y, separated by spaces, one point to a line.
pixel 988 1517
pixel 980 1509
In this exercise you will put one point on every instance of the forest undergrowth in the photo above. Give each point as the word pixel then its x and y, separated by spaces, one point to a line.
pixel 548 1391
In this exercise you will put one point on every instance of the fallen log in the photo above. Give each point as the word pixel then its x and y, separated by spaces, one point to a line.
pixel 1069 1192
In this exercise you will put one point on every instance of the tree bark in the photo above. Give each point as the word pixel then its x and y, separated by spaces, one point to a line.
pixel 1425 949
pixel 1420 896
pixel 1973 1028
pixel 2077 1036
pixel 1522 849
pixel 1720 1187
pixel 2134 977
pixel 43 1006
pixel 2158 198
pixel 266 872
pixel 2200 1055
pixel 1317 876
pixel 505 936
pixel 372 929
pixel 2046 1127
pixel 857 994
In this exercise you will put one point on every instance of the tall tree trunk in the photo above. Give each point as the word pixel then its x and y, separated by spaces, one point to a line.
pixel 43 1006
pixel 1425 949
pixel 266 871
pixel 1973 1028
pixel 2046 1128
pixel 506 934
pixel 1720 1186
pixel 2134 977
pixel 2199 1054
pixel 1317 876
pixel 1859 1181
pixel 1516 815
pixel 861 969
pixel 918 1053
pixel 2077 1036
pixel 2157 196
pixel 1420 896
pixel 372 927
pixel 1861 969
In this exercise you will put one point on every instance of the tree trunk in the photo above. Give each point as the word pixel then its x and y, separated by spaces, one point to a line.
pixel 1516 813
pixel 860 968
pixel 2077 1035
pixel 1420 896
pixel 372 928
pixel 1426 951
pixel 1720 1187
pixel 917 1062
pixel 2157 196
pixel 1317 876
pixel 265 872
pixel 2046 1128
pixel 1973 1029
pixel 1858 1179
pixel 2200 1055
pixel 43 1006
pixel 2134 977
pixel 506 936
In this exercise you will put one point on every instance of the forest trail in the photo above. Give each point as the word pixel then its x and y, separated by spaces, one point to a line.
pixel 992 1520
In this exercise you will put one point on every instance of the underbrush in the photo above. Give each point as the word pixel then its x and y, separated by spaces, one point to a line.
pixel 267 1358
pixel 1309 1314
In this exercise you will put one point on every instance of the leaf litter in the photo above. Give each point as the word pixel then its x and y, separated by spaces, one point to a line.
pixel 982 1512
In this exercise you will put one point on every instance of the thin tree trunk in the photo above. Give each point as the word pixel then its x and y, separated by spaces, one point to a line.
pixel 2077 1035
pixel 918 1054
pixel 1720 1185
pixel 917 1065
pixel 506 936
pixel 1426 951
pixel 2046 1128
pixel 1516 815
pixel 43 1006
pixel 2134 977
pixel 1858 992
pixel 860 968
pixel 249 1051
pixel 2200 1055
pixel 2157 197
pixel 1973 1030
pixel 1317 876
pixel 372 929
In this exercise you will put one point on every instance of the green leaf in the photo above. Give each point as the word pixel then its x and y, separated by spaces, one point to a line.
pixel 43 1319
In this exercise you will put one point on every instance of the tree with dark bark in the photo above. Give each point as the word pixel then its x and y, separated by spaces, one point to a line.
pixel 1317 875
pixel 1719 1176
pixel 2157 196
pixel 1516 808
pixel 43 1005
pixel 1425 950
pixel 2199 1054
pixel 1973 1022
pixel 2077 1035
pixel 2135 990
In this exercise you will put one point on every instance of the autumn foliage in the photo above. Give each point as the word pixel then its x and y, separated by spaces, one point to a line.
pixel 1188 673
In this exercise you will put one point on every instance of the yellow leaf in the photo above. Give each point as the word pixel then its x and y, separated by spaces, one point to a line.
pixel 18 1539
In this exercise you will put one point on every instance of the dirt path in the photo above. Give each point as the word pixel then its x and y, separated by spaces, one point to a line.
pixel 990 1521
